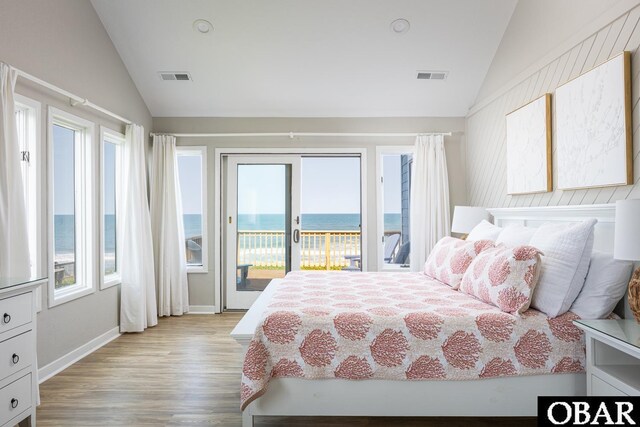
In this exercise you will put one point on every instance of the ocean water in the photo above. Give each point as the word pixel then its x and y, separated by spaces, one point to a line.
pixel 314 222
pixel 65 234
pixel 192 225
pixel 64 231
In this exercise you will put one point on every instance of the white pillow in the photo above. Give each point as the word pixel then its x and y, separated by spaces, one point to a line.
pixel 484 231
pixel 515 235
pixel 605 285
pixel 567 251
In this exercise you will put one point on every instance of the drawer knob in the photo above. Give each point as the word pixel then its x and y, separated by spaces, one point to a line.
pixel 15 358
pixel 14 403
pixel 6 318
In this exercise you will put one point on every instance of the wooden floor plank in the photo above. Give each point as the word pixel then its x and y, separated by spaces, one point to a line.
pixel 183 372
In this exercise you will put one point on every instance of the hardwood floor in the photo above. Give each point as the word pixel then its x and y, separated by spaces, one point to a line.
pixel 185 371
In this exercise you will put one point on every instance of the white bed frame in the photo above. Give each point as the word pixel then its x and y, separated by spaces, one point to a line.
pixel 512 396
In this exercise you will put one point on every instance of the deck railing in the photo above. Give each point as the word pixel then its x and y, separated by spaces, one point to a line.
pixel 319 249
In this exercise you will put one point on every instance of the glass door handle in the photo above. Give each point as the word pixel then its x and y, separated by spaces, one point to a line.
pixel 296 236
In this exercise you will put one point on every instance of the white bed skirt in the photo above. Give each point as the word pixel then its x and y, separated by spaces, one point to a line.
pixel 507 396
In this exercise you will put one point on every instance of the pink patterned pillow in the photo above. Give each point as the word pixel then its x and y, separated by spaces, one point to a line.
pixel 504 277
pixel 451 257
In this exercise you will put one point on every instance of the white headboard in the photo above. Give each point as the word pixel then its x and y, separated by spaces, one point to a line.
pixel 534 216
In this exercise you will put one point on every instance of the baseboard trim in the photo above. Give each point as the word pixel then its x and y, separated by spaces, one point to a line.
pixel 73 356
pixel 202 309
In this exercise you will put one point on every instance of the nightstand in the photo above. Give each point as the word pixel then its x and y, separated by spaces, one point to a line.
pixel 613 357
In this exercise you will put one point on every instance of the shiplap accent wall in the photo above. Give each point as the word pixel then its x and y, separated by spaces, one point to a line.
pixel 486 127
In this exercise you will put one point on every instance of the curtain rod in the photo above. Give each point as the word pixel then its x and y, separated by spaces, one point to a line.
pixel 74 100
pixel 297 134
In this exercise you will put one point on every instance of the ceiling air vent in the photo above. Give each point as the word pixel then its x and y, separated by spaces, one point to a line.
pixel 172 76
pixel 432 75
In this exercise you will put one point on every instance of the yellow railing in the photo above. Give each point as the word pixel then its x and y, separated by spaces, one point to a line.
pixel 328 249
pixel 319 249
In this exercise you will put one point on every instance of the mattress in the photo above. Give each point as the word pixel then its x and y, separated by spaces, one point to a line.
pixel 399 326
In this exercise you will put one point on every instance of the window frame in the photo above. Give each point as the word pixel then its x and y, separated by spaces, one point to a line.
pixel 111 136
pixel 381 151
pixel 33 185
pixel 85 196
pixel 201 150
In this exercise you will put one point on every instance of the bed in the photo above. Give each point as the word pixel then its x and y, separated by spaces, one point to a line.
pixel 509 388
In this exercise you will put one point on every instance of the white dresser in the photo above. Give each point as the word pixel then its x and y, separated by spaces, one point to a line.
pixel 613 356
pixel 18 365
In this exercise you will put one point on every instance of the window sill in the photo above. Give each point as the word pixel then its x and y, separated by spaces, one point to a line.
pixel 110 281
pixel 62 296
pixel 197 270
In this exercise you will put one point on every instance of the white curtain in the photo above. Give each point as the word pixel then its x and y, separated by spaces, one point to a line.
pixel 168 229
pixel 430 219
pixel 14 238
pixel 138 308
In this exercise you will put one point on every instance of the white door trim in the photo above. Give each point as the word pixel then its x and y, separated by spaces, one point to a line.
pixel 220 152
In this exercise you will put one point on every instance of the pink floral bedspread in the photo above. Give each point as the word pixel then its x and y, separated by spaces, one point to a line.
pixel 399 327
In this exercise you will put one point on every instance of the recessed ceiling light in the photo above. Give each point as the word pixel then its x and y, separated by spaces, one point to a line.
pixel 202 26
pixel 400 26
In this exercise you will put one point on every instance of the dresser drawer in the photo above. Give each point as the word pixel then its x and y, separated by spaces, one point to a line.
pixel 15 311
pixel 15 398
pixel 601 388
pixel 16 353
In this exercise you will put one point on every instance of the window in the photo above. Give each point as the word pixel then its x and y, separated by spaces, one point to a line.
pixel 394 191
pixel 192 173
pixel 28 126
pixel 111 189
pixel 72 208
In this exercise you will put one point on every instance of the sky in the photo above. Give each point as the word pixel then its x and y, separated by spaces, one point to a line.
pixel 189 169
pixel 328 185
pixel 63 173
pixel 392 183
pixel 63 192
pixel 190 176
pixel 261 189
pixel 109 163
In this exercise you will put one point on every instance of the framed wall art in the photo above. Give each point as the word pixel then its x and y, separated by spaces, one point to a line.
pixel 529 148
pixel 593 127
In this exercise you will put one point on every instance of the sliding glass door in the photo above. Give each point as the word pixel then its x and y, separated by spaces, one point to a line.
pixel 263 229
pixel 286 213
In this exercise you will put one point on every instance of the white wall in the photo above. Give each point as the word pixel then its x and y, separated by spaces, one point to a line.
pixel 201 286
pixel 536 27
pixel 63 42
pixel 546 44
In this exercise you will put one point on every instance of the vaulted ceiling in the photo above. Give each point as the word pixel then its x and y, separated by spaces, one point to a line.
pixel 306 58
